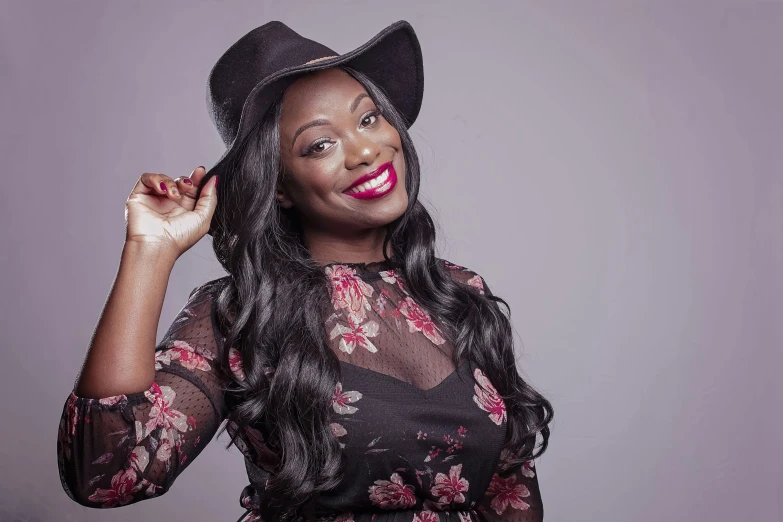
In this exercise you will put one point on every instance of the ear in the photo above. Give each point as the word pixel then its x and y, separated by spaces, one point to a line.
pixel 282 196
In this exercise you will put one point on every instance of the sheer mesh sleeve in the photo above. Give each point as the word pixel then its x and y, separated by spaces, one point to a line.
pixel 123 449
pixel 466 276
pixel 513 494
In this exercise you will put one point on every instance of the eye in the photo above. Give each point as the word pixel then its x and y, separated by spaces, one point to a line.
pixel 370 118
pixel 318 147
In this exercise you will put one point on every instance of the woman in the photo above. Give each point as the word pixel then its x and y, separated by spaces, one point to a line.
pixel 361 377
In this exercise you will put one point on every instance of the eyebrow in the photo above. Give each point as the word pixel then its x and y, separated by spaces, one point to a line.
pixel 317 123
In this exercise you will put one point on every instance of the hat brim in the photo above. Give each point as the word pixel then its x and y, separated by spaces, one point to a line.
pixel 392 59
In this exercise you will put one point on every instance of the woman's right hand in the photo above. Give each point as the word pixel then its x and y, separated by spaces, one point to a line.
pixel 171 219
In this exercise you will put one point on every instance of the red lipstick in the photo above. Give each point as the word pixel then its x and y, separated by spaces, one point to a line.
pixel 375 184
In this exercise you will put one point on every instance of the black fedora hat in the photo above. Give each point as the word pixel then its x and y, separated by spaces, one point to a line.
pixel 264 62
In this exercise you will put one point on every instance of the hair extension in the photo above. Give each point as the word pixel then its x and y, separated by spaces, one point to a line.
pixel 272 306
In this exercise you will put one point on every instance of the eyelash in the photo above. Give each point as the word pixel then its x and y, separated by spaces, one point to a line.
pixel 312 149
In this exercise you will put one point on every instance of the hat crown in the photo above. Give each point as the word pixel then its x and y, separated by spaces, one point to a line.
pixel 262 52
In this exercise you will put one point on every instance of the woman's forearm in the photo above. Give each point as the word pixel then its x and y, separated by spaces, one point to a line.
pixel 121 357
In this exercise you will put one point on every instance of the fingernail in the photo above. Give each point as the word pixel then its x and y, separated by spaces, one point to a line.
pixel 162 186
pixel 187 180
pixel 216 180
pixel 202 167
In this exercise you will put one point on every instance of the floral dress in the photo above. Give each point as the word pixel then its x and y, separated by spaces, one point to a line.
pixel 424 440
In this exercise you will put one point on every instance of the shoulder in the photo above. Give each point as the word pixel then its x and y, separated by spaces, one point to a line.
pixel 465 275
pixel 210 288
pixel 202 297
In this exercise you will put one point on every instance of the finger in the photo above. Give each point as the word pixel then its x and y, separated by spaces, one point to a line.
pixel 197 176
pixel 188 190
pixel 154 183
pixel 207 201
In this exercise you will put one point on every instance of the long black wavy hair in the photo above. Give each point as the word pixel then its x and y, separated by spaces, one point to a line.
pixel 272 306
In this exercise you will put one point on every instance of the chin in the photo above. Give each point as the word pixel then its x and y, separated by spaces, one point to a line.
pixel 386 212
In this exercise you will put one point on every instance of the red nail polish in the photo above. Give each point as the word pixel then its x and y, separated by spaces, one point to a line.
pixel 216 180
pixel 162 186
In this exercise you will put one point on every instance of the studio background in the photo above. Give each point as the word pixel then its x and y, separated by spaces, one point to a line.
pixel 612 168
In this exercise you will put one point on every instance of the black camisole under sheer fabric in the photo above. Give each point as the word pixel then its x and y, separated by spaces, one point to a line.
pixel 423 440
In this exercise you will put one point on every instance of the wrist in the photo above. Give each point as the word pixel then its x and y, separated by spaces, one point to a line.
pixel 152 253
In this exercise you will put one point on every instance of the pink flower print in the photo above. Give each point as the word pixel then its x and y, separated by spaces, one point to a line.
pixel 380 303
pixel 431 454
pixel 345 517
pixel 189 356
pixel 392 494
pixel 152 489
pixel 419 320
pixel 235 363
pixel 462 431
pixel 401 286
pixel 163 453
pixel 390 276
pixel 341 400
pixel 527 469
pixel 110 401
pixel 139 428
pixel 72 414
pixel 349 291
pixel 338 430
pixel 507 493
pixel 450 488
pixel 464 516
pixel 139 458
pixel 355 335
pixel 488 398
pixel 162 414
pixel 426 516
pixel 477 283
pixel 103 459
pixel 453 266
pixel 123 488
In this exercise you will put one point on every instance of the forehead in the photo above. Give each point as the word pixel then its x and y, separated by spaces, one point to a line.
pixel 319 94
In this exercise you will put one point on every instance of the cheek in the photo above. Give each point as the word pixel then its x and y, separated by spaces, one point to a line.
pixel 392 137
pixel 313 178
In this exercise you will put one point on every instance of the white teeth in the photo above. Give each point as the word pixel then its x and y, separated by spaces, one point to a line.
pixel 373 183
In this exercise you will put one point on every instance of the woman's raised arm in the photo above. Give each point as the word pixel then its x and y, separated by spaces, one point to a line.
pixel 124 448
pixel 139 413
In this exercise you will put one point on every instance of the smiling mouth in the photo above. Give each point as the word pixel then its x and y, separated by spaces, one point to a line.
pixel 376 186
pixel 367 178
pixel 377 181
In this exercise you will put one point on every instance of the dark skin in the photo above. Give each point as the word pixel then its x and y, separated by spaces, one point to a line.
pixel 325 159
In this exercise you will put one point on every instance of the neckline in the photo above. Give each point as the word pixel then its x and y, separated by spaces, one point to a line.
pixel 371 267
pixel 460 371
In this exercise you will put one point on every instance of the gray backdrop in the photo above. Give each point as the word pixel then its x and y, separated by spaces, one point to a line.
pixel 611 168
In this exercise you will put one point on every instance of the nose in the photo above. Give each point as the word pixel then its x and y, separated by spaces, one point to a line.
pixel 360 150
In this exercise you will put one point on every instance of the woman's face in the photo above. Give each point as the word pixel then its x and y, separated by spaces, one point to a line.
pixel 331 134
